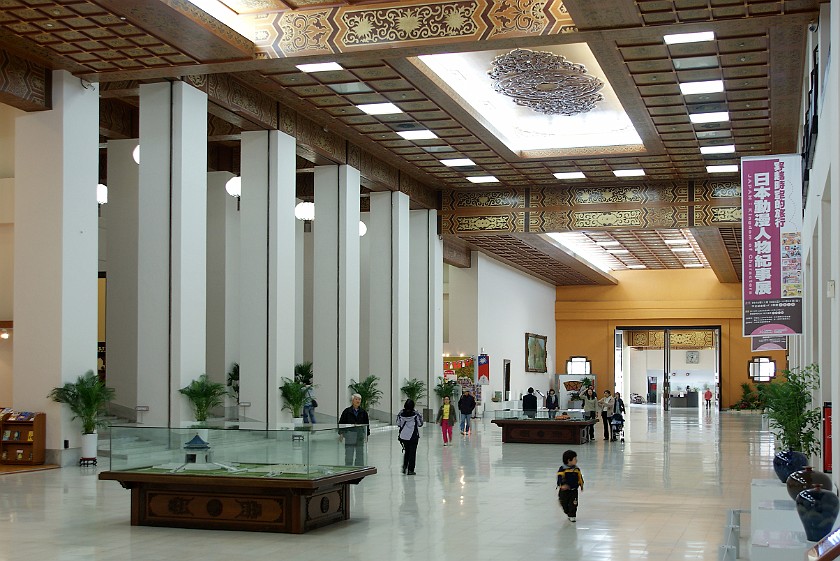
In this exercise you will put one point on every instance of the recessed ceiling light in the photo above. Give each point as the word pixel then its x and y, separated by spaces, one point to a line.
pixel 379 108
pixel 699 37
pixel 682 249
pixel 628 172
pixel 417 135
pixel 483 179
pixel 692 265
pixel 709 86
pixel 569 175
pixel 618 251
pixel 319 67
pixel 727 149
pixel 458 162
pixel 636 267
pixel 715 117
pixel 676 242
pixel 722 169
pixel 608 243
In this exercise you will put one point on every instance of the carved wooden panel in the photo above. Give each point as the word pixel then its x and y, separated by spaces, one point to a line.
pixel 23 84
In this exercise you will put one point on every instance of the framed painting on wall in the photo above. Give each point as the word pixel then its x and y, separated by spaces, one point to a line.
pixel 535 353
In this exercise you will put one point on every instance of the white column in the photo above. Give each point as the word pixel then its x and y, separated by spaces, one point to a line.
pixel 336 285
pixel 268 265
pixel 188 292
pixel 123 276
pixel 300 279
pixel 172 240
pixel 223 247
pixel 55 253
pixel 153 253
pixel 389 295
pixel 253 308
pixel 282 265
pixel 426 302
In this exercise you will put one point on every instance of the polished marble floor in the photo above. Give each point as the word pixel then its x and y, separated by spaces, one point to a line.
pixel 661 495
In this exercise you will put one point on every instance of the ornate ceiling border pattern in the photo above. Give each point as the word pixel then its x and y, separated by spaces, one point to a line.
pixel 694 339
pixel 23 84
pixel 346 29
pixel 551 209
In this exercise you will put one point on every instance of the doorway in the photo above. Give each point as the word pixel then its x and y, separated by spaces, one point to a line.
pixel 671 367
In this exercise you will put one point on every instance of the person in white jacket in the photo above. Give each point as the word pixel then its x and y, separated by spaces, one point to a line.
pixel 409 422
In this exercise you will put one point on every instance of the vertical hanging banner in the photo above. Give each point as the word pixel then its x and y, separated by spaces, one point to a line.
pixel 771 191
pixel 483 369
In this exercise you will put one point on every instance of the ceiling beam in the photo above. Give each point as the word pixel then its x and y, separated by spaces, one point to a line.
pixel 560 254
pixel 629 205
pixel 456 252
pixel 713 247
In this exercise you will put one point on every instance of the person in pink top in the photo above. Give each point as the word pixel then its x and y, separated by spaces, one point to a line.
pixel 708 397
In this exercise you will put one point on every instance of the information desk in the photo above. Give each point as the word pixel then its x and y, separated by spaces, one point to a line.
pixel 544 431
pixel 690 399
pixel 291 480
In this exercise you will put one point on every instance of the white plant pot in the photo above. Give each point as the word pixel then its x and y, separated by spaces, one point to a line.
pixel 89 445
pixel 297 421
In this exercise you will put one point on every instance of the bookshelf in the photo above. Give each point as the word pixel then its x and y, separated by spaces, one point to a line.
pixel 22 437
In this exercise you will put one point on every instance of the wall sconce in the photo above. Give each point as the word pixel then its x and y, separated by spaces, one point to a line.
pixel 362 228
pixel 101 196
pixel 4 334
pixel 234 189
pixel 135 154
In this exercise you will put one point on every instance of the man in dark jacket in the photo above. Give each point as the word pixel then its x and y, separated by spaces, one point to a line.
pixel 466 405
pixel 354 437
pixel 529 404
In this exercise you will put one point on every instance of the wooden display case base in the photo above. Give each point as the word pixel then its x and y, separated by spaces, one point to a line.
pixel 546 431
pixel 238 503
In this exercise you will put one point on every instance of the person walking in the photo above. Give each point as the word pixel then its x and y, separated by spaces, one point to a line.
pixel 446 417
pixel 607 410
pixel 354 437
pixel 552 403
pixel 569 480
pixel 619 404
pixel 590 409
pixel 466 406
pixel 707 395
pixel 409 422
pixel 309 405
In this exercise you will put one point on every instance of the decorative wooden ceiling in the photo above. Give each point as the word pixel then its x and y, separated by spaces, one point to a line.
pixel 758 54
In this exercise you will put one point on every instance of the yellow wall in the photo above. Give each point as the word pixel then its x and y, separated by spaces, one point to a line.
pixel 101 322
pixel 587 317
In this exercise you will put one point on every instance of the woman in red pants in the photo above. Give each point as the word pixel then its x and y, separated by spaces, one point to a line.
pixel 447 418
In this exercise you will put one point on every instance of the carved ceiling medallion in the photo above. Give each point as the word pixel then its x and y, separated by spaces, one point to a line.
pixel 546 82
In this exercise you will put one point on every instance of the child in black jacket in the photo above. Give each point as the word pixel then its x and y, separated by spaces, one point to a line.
pixel 569 480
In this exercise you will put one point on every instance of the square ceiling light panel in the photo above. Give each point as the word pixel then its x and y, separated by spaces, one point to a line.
pixel 465 77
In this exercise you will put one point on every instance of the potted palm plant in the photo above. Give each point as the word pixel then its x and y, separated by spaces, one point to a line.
pixel 414 390
pixel 368 389
pixel 303 372
pixel 293 393
pixel 793 419
pixel 203 395
pixel 87 398
pixel 445 388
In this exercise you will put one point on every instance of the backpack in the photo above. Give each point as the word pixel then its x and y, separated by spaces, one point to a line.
pixel 402 423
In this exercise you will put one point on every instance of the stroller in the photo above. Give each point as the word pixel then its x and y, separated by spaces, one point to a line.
pixel 617 424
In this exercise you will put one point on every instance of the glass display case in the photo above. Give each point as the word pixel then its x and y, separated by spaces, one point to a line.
pixel 287 480
pixel 308 451
pixel 539 414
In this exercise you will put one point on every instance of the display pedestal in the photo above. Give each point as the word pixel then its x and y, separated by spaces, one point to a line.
pixel 546 431
pixel 265 504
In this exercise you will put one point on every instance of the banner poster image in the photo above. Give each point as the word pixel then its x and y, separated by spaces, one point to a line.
pixel 771 194
pixel 768 343
pixel 483 369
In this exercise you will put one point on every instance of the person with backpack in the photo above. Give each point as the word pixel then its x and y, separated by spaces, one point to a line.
pixel 409 422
